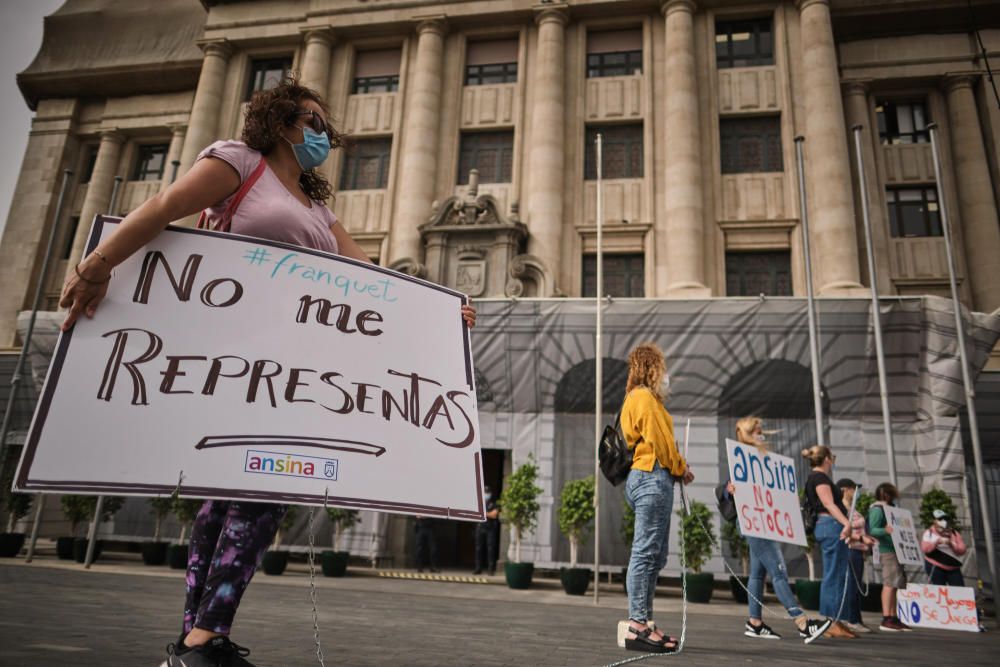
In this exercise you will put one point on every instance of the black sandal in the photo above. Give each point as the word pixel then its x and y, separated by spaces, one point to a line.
pixel 643 643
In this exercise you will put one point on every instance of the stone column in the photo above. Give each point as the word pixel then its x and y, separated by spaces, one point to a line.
pixel 827 162
pixel 546 152
pixel 178 132
pixel 980 229
pixel 418 157
pixel 98 195
pixel 203 124
pixel 315 69
pixel 856 104
pixel 680 248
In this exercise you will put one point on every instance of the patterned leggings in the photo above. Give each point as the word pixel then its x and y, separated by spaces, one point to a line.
pixel 228 542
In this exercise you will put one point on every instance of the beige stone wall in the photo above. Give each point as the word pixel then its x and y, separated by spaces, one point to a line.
pixel 681 202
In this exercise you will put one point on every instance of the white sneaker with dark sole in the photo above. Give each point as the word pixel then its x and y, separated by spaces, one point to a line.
pixel 815 629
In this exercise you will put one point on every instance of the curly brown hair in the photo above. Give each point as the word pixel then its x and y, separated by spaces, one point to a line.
pixel 646 367
pixel 270 110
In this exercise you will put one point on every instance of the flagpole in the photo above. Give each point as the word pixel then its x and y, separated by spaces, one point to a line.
pixel 599 372
pixel 810 301
pixel 883 384
pixel 970 391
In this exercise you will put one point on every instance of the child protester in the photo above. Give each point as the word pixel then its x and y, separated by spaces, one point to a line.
pixel 893 577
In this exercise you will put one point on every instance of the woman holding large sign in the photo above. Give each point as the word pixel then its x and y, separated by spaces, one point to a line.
pixel 649 431
pixel 832 530
pixel 265 186
pixel 766 558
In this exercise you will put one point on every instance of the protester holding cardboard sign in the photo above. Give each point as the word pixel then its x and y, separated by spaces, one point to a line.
pixel 265 186
pixel 766 558
pixel 893 576
pixel 832 530
pixel 943 549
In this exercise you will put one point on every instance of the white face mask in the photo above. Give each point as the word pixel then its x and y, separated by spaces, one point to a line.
pixel 942 523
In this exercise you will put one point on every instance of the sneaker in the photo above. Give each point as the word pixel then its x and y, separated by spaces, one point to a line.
pixel 815 629
pixel 858 628
pixel 762 631
pixel 217 652
pixel 903 626
pixel 890 624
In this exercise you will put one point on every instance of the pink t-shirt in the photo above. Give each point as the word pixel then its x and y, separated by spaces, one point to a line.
pixel 269 211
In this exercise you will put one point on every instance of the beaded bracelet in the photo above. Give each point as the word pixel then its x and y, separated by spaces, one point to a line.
pixel 88 280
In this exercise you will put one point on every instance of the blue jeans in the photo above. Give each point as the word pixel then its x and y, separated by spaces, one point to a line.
pixel 651 495
pixel 834 551
pixel 852 605
pixel 941 577
pixel 765 557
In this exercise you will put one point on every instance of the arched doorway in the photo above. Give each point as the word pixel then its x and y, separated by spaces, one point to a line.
pixel 575 450
pixel 780 393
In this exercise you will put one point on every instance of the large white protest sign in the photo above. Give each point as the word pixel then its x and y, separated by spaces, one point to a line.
pixel 938 607
pixel 767 497
pixel 257 370
pixel 904 537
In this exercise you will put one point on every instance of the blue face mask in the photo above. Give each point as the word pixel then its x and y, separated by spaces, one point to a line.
pixel 313 150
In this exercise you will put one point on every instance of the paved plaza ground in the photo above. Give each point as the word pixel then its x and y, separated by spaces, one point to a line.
pixel 123 614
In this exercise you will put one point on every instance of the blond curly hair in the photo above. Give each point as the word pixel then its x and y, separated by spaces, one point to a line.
pixel 744 431
pixel 646 366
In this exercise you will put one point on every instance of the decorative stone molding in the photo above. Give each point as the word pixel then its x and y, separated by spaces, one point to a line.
pixel 410 267
pixel 955 81
pixel 551 12
pixel 529 268
pixel 802 4
pixel 678 6
pixel 222 48
pixel 322 34
pixel 436 24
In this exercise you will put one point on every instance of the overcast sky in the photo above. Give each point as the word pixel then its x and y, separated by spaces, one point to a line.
pixel 20 37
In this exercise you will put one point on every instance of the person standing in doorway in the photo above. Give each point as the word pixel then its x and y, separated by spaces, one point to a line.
pixel 426 555
pixel 486 536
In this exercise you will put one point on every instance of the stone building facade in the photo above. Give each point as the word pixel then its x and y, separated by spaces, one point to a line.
pixel 698 102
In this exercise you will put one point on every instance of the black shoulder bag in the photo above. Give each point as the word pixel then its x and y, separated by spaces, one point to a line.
pixel 613 454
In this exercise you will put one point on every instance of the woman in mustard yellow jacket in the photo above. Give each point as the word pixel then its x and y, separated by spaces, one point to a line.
pixel 649 431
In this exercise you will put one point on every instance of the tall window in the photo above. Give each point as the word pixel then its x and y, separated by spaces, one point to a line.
pixel 750 144
pixel 367 165
pixel 744 43
pixel 902 122
pixel 913 212
pixel 89 160
pixel 756 273
pixel 376 71
pixel 492 153
pixel 623 275
pixel 150 163
pixel 491 62
pixel 614 53
pixel 74 222
pixel 266 73
pixel 621 148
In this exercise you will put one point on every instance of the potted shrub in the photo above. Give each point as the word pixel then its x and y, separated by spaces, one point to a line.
pixel 519 509
pixel 17 506
pixel 276 561
pixel 697 538
pixel 334 562
pixel 75 510
pixel 628 534
pixel 109 507
pixel 740 550
pixel 186 511
pixel 576 513
pixel 936 499
pixel 155 552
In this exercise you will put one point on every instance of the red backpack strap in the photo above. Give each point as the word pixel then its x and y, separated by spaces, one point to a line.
pixel 226 220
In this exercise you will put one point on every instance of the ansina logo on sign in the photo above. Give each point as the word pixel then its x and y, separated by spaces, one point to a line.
pixel 290 465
